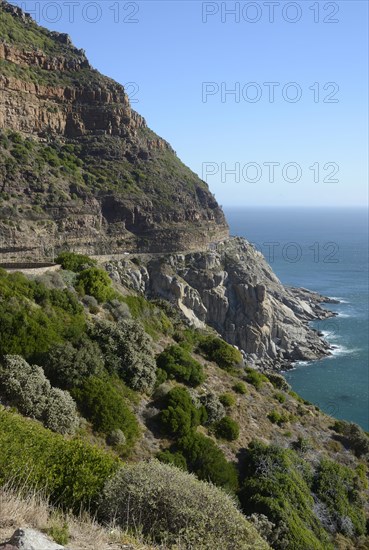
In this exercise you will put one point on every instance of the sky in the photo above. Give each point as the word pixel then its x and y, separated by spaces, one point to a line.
pixel 294 132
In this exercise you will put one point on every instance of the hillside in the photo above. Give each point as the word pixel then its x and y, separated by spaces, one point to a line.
pixel 141 400
pixel 78 166
pixel 122 380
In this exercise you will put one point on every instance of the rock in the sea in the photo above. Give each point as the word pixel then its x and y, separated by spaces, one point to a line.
pixel 30 539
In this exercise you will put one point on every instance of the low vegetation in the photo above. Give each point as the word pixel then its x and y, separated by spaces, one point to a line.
pixel 102 401
pixel 72 472
pixel 79 358
pixel 227 428
pixel 178 364
pixel 215 349
pixel 27 388
pixel 257 379
pixel 173 507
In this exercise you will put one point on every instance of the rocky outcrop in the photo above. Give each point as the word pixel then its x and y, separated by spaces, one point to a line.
pixel 233 289
pixel 97 179
pixel 30 539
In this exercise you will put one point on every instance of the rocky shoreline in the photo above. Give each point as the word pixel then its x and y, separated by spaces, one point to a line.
pixel 232 289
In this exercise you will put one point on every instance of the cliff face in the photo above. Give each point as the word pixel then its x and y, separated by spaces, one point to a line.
pixel 78 167
pixel 233 289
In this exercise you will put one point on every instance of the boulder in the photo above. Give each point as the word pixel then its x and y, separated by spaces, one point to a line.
pixel 30 539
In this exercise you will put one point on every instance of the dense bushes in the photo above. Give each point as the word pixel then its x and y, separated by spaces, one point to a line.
pixel 227 428
pixel 72 473
pixel 127 351
pixel 101 402
pixel 338 488
pixel 207 461
pixel 217 350
pixel 74 262
pixel 27 388
pixel 67 365
pixel 179 418
pixel 174 508
pixel 33 318
pixel 278 381
pixel 95 282
pixel 174 458
pixel 180 415
pixel 180 365
pixel 278 484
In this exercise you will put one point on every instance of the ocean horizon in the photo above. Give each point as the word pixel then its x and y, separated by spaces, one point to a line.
pixel 325 250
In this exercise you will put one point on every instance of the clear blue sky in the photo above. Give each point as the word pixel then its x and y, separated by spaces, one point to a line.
pixel 174 47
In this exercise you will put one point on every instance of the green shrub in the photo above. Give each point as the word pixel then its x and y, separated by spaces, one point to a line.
pixel 227 400
pixel 118 309
pixel 277 483
pixel 33 318
pixel 240 388
pixel 217 350
pixel 59 532
pixel 67 365
pixel 278 381
pixel 174 508
pixel 74 262
pixel 207 461
pixel 302 444
pixel 213 407
pixel 101 402
pixel 227 428
pixel 95 282
pixel 153 318
pixel 255 378
pixel 116 438
pixel 354 437
pixel 180 415
pixel 296 396
pixel 161 377
pixel 277 418
pixel 174 458
pixel 27 388
pixel 60 414
pixel 180 365
pixel 338 488
pixel 280 397
pixel 127 351
pixel 71 472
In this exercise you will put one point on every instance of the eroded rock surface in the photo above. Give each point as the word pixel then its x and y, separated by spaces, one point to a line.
pixel 88 174
pixel 234 290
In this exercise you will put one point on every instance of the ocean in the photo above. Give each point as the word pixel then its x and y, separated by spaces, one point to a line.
pixel 325 250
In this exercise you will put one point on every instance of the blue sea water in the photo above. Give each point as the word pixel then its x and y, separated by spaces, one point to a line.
pixel 325 250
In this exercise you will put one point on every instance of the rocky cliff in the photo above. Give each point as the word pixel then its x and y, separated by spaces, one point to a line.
pixel 233 289
pixel 78 167
pixel 80 170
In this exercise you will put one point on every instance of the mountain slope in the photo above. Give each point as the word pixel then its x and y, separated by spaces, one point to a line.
pixel 78 167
